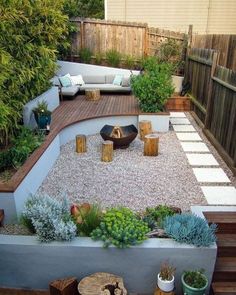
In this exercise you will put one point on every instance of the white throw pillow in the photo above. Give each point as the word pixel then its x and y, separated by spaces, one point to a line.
pixel 77 80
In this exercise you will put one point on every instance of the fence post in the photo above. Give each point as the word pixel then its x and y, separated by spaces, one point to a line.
pixel 81 34
pixel 146 41
pixel 190 36
pixel 215 60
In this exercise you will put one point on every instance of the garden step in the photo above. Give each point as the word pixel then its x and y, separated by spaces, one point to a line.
pixel 226 221
pixel 226 245
pixel 225 269
pixel 224 288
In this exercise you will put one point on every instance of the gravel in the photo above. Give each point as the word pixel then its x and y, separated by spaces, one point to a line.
pixel 130 180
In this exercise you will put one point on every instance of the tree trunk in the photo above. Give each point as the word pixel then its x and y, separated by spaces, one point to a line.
pixel 151 142
pixel 102 283
pixel 92 94
pixel 66 286
pixel 81 143
pixel 107 151
pixel 145 128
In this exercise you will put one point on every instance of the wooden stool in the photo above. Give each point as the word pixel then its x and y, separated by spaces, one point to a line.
pixel 107 151
pixel 81 143
pixel 151 142
pixel 64 287
pixel 102 283
pixel 145 128
pixel 160 292
pixel 92 94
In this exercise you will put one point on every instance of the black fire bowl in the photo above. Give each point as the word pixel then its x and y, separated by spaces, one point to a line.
pixel 121 136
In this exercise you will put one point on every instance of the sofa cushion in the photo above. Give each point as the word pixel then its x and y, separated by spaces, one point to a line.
pixel 65 80
pixel 94 79
pixel 76 80
pixel 105 87
pixel 117 80
pixel 70 91
pixel 109 79
pixel 125 82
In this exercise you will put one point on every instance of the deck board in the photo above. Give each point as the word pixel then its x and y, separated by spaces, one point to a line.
pixel 71 112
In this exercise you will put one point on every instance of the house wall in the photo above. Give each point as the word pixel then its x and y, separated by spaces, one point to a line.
pixel 206 16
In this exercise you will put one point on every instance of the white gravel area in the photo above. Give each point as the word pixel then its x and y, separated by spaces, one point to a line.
pixel 130 180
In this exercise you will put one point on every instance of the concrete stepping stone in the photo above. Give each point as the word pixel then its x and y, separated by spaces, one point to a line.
pixel 183 128
pixel 180 121
pixel 177 115
pixel 210 175
pixel 194 147
pixel 202 160
pixel 220 195
pixel 188 136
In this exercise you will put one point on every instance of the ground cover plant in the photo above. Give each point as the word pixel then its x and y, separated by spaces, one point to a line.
pixel 195 278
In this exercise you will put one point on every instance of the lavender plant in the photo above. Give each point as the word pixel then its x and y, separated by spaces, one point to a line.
pixel 50 218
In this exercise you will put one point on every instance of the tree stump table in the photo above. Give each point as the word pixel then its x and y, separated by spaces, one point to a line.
pixel 145 128
pixel 107 151
pixel 151 142
pixel 66 286
pixel 81 143
pixel 92 94
pixel 102 283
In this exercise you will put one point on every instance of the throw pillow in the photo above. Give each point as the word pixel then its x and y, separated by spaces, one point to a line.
pixel 125 82
pixel 65 80
pixel 117 80
pixel 77 80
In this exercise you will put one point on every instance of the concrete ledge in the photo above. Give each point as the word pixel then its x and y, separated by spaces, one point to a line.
pixel 30 264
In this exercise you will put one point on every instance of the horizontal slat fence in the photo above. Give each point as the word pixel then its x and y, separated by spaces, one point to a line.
pixel 128 38
pixel 213 94
pixel 225 44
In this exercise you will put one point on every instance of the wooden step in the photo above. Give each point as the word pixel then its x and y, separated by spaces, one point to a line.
pixel 225 269
pixel 226 244
pixel 224 288
pixel 226 221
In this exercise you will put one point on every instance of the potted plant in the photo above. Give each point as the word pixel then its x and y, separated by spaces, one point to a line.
pixel 42 115
pixel 152 88
pixel 194 282
pixel 165 278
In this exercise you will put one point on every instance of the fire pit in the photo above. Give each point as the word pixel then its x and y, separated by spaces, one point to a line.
pixel 121 136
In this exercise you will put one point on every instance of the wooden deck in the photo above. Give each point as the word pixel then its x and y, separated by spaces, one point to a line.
pixel 71 112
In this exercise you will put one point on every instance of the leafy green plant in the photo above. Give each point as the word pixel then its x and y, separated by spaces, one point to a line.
pixel 85 55
pixel 120 227
pixel 26 222
pixel 129 61
pixel 155 216
pixel 167 271
pixel 42 108
pixel 98 58
pixel 84 8
pixel 50 218
pixel 153 87
pixel 195 278
pixel 113 57
pixel 87 217
pixel 190 229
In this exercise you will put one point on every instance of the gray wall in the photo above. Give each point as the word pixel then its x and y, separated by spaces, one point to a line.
pixel 29 264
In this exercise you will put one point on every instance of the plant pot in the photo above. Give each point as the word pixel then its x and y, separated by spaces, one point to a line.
pixel 42 120
pixel 165 286
pixel 177 82
pixel 188 290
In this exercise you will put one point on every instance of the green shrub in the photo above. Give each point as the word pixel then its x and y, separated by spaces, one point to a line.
pixel 98 58
pixel 190 229
pixel 195 278
pixel 155 216
pixel 113 58
pixel 129 61
pixel 85 55
pixel 120 227
pixel 153 87
pixel 5 160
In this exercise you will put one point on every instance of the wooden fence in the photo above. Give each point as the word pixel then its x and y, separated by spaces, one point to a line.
pixel 133 39
pixel 213 93
pixel 225 44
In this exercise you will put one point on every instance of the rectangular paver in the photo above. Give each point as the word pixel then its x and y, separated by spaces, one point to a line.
pixel 210 175
pixel 194 147
pixel 202 160
pixel 193 136
pixel 177 115
pixel 180 121
pixel 220 195
pixel 183 128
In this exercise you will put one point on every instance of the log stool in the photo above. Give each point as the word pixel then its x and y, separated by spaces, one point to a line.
pixel 151 142
pixel 145 128
pixel 81 143
pixel 92 94
pixel 107 151
pixel 158 291
pixel 102 283
pixel 66 286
